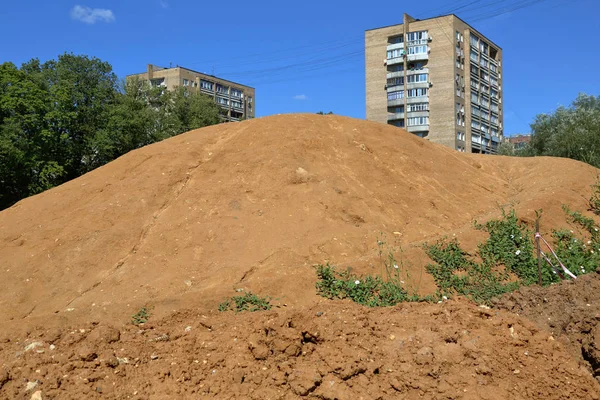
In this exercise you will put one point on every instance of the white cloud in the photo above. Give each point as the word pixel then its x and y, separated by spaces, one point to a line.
pixel 163 3
pixel 91 15
pixel 300 97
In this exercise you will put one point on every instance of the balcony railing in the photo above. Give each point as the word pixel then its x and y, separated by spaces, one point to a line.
pixel 395 102
pixel 417 57
pixel 417 128
pixel 395 116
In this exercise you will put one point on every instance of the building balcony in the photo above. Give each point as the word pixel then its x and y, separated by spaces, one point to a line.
pixel 395 116
pixel 417 114
pixel 395 102
pixel 394 61
pixel 395 46
pixel 418 57
pixel 417 71
pixel 414 85
pixel 417 128
pixel 394 88
pixel 420 99
pixel 395 74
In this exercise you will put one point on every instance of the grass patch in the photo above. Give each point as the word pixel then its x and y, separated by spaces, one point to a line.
pixel 370 291
pixel 248 302
pixel 142 316
pixel 507 259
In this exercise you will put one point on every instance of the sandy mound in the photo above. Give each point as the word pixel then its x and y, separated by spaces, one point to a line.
pixel 255 204
pixel 180 224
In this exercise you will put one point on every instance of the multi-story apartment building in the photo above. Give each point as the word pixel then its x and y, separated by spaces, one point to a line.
pixel 237 101
pixel 437 78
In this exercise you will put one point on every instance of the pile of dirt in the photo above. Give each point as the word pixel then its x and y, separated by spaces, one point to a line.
pixel 255 205
pixel 181 224
pixel 570 311
pixel 332 350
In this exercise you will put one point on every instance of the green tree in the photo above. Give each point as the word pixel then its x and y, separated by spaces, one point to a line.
pixel 571 132
pixel 65 117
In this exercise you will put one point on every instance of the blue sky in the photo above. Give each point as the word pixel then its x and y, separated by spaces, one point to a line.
pixel 308 56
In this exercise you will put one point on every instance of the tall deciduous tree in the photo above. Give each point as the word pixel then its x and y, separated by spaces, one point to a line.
pixel 65 117
pixel 572 132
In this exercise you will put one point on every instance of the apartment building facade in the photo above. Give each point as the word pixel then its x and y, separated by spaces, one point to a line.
pixel 237 101
pixel 437 78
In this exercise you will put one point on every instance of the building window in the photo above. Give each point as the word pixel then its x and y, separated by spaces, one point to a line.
pixel 395 53
pixel 249 99
pixel 222 89
pixel 395 81
pixel 483 47
pixel 475 124
pixel 397 39
pixel 474 41
pixel 418 107
pixel 157 82
pixel 419 37
pixel 473 55
pixel 206 85
pixel 475 110
pixel 417 50
pixel 417 66
pixel 236 93
pixel 398 94
pixel 460 136
pixel 186 82
pixel 493 67
pixel 416 78
pixel 222 101
pixel 417 92
pixel 235 103
pixel 397 110
pixel 399 123
pixel 415 121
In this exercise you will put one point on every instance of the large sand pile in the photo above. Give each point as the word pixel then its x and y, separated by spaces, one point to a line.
pixel 182 223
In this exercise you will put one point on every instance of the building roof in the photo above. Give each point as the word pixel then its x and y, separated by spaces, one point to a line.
pixel 441 16
pixel 197 72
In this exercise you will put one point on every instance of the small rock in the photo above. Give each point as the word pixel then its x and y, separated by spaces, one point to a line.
pixel 392 337
pixel 33 345
pixel 153 357
pixel 319 313
pixel 188 328
pixel 37 396
pixel 52 347
pixel 123 360
pixel 98 389
pixel 31 385
pixel 4 377
pixel 516 371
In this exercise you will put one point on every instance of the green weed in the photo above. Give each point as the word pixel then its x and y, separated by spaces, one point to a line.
pixel 247 302
pixel 142 316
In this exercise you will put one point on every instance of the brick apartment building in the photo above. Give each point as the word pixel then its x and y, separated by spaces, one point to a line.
pixel 236 101
pixel 437 78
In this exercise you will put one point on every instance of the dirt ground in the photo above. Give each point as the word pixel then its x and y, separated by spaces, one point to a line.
pixel 331 350
pixel 180 225
pixel 570 311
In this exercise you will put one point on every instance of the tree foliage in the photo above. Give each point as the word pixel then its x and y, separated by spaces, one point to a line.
pixel 572 132
pixel 65 117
